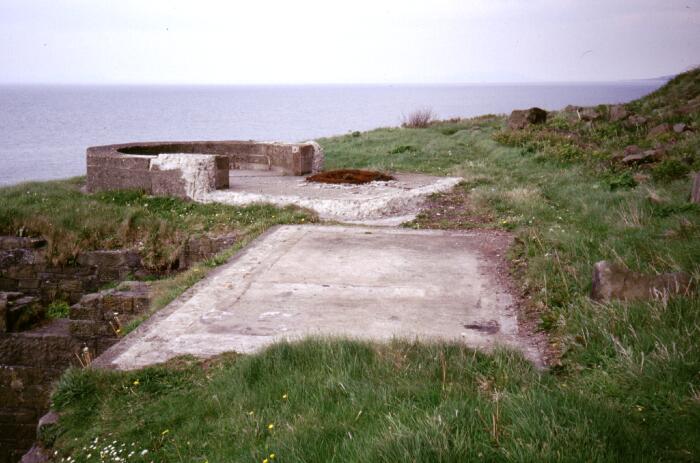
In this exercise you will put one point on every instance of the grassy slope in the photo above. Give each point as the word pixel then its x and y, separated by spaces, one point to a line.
pixel 73 222
pixel 159 227
pixel 626 386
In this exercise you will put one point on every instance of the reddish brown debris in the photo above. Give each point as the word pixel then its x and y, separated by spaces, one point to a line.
pixel 352 176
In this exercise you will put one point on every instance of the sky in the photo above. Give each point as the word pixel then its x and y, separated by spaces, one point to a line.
pixel 359 41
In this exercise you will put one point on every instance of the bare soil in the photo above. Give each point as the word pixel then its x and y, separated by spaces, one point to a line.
pixel 451 210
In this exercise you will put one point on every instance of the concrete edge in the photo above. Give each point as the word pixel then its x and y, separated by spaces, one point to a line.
pixel 532 350
pixel 107 357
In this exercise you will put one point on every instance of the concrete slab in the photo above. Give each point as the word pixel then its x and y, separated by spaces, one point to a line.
pixel 357 282
pixel 376 203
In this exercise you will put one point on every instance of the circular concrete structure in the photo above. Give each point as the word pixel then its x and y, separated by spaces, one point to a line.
pixel 131 165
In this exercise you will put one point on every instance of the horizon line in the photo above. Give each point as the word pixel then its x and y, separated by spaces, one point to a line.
pixel 332 84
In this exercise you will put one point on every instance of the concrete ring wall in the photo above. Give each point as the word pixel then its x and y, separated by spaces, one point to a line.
pixel 128 166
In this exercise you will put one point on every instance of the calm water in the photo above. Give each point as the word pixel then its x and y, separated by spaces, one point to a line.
pixel 44 130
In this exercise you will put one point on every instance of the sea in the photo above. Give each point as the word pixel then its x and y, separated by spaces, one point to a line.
pixel 44 130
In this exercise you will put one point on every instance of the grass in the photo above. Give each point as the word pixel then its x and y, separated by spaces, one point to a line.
pixel 352 401
pixel 624 382
pixel 73 222
pixel 58 309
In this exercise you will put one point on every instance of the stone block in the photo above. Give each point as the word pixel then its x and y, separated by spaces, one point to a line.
pixel 108 275
pixel 71 286
pixel 19 415
pixel 17 242
pixel 23 349
pixel 36 454
pixel 8 284
pixel 25 271
pixel 92 300
pixel 659 130
pixel 615 282
pixel 186 175
pixel 519 119
pixel 22 313
pixel 20 431
pixel 82 312
pixel 103 258
pixel 83 329
pixel 27 283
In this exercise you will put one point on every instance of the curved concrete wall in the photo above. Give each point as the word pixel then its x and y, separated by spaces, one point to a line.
pixel 137 165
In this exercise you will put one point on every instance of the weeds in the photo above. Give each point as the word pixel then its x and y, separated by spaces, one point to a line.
pixel 418 119
pixel 73 222
pixel 57 309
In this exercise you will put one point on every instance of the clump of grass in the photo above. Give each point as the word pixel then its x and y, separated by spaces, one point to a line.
pixel 670 169
pixel 418 119
pixel 57 309
pixel 621 180
pixel 402 149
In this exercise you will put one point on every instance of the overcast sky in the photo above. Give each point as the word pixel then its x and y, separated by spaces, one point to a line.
pixel 358 41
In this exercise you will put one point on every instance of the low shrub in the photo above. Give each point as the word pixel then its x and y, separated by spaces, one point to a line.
pixel 621 181
pixel 418 119
pixel 402 149
pixel 58 309
pixel 670 169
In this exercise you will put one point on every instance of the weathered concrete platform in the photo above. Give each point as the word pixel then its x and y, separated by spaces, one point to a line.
pixel 356 282
pixel 375 203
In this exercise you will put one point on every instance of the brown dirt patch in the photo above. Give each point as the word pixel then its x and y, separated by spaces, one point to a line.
pixel 351 176
pixel 451 210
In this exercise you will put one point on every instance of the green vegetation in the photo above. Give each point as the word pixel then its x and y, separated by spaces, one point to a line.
pixel 72 221
pixel 58 309
pixel 351 401
pixel 426 150
pixel 624 381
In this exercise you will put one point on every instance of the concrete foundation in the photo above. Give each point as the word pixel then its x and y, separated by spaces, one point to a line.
pixel 131 165
pixel 375 203
pixel 357 282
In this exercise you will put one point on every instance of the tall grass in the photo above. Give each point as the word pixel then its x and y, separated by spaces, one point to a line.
pixel 74 222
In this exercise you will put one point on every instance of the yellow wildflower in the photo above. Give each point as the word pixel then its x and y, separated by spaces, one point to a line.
pixel 270 426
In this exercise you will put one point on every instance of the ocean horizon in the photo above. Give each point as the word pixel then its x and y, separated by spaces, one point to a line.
pixel 45 129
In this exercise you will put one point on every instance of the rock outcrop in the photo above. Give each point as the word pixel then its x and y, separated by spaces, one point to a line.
pixel 618 113
pixel 519 119
pixel 659 130
pixel 644 157
pixel 615 282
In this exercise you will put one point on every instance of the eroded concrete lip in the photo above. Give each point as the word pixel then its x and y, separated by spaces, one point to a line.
pixel 375 203
pixel 352 282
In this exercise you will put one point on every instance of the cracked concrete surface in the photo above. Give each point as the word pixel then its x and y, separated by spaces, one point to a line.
pixel 376 203
pixel 357 282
